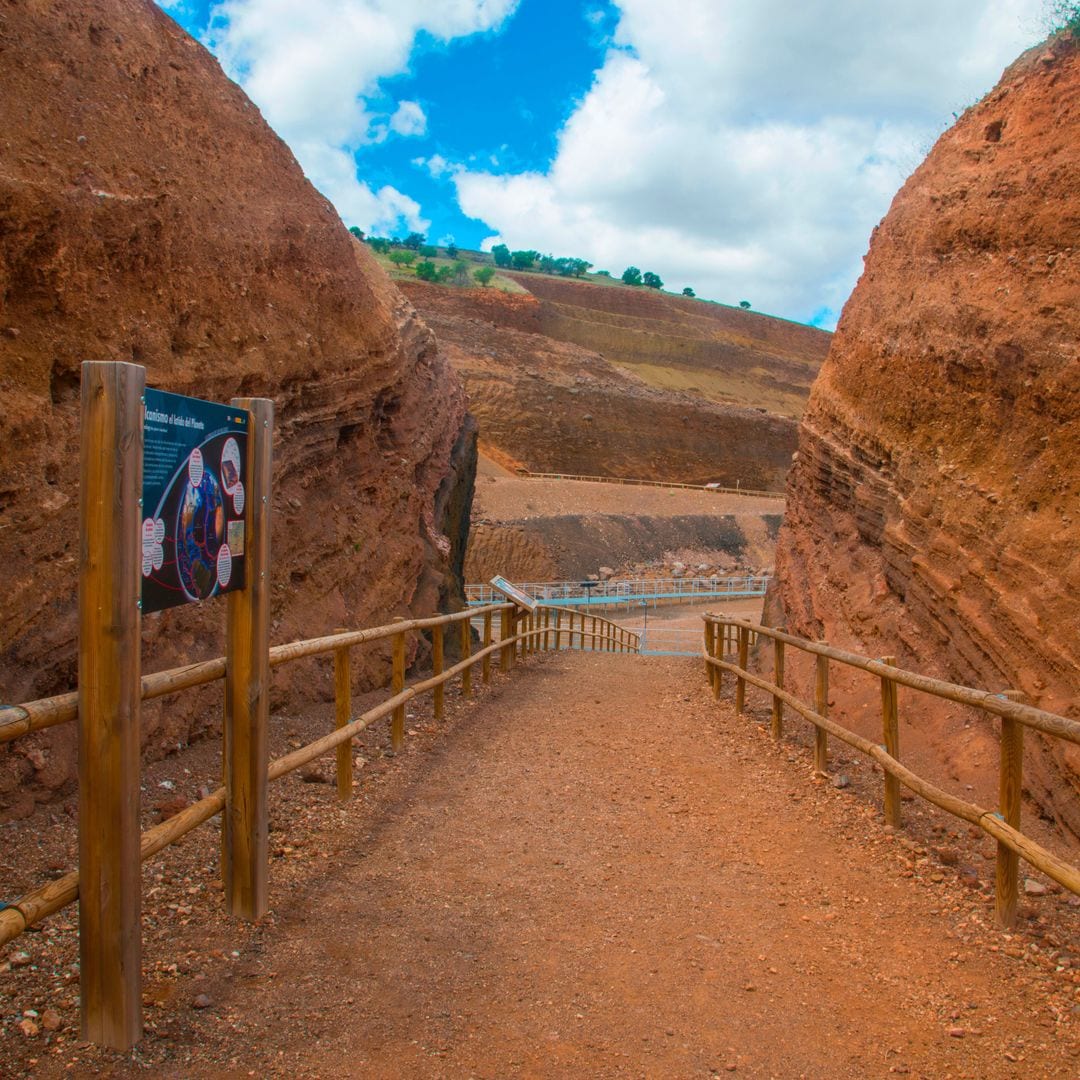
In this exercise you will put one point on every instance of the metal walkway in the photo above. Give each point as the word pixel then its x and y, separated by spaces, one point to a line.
pixel 628 593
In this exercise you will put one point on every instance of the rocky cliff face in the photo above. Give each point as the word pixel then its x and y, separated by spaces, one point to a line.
pixel 552 405
pixel 148 214
pixel 934 507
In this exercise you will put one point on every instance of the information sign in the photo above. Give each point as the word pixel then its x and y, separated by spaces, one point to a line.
pixel 193 542
pixel 512 592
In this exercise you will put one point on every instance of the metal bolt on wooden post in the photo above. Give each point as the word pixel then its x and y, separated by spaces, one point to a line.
pixel 439 693
pixel 778 682
pixel 821 707
pixel 504 636
pixel 485 664
pixel 466 652
pixel 110 696
pixel 890 725
pixel 342 710
pixel 1007 877
pixel 245 821
pixel 740 682
pixel 397 727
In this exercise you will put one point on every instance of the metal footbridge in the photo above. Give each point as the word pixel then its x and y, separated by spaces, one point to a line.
pixel 629 593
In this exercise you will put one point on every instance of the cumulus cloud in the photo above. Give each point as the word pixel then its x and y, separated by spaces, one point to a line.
pixel 749 149
pixel 408 119
pixel 313 67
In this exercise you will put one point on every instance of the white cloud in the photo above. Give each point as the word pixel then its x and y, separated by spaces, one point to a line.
pixel 408 119
pixel 312 67
pixel 749 149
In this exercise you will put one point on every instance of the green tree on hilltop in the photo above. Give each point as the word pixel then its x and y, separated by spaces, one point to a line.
pixel 651 280
pixel 631 276
pixel 501 254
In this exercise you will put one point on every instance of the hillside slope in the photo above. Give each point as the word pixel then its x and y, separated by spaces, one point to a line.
pixel 723 354
pixel 933 509
pixel 148 214
pixel 554 405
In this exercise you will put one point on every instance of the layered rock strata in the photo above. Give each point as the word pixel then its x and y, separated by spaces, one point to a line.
pixel 148 214
pixel 934 507
pixel 555 406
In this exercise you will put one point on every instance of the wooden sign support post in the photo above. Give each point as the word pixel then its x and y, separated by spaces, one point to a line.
pixel 245 821
pixel 110 696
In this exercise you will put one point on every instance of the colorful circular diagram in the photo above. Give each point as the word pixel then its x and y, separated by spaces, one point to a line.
pixel 238 498
pixel 200 534
pixel 195 467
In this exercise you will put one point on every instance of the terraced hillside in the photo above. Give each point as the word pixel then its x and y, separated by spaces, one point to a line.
pixel 612 381
pixel 678 343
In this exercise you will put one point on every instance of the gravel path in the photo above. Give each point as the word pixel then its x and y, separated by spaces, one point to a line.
pixel 596 870
pixel 505 498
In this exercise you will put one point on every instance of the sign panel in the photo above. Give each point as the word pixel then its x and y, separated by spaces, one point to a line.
pixel 194 460
pixel 512 592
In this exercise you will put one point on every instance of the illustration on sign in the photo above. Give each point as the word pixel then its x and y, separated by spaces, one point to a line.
pixel 193 499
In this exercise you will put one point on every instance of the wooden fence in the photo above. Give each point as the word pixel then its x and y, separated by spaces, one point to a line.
pixel 521 633
pixel 725 637
pixel 653 483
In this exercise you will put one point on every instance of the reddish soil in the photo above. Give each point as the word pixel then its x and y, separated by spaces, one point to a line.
pixel 933 510
pixel 554 405
pixel 594 870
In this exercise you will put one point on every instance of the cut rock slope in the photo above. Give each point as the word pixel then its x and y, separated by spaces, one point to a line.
pixel 934 507
pixel 149 214
pixel 548 400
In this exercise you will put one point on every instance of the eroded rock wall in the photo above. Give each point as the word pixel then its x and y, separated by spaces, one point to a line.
pixel 934 508
pixel 148 214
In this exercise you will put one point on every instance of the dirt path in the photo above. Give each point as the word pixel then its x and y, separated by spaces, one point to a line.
pixel 501 497
pixel 597 871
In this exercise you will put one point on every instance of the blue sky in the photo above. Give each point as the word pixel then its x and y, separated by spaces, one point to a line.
pixel 746 150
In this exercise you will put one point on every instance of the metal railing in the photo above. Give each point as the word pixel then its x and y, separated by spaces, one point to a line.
pixel 624 592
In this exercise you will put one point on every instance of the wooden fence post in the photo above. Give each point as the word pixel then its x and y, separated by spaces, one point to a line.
pixel 740 682
pixel 1007 883
pixel 439 693
pixel 547 631
pixel 718 651
pixel 110 697
pixel 343 709
pixel 890 723
pixel 558 631
pixel 821 707
pixel 710 649
pixel 245 821
pixel 485 664
pixel 466 652
pixel 778 681
pixel 397 727
pixel 504 636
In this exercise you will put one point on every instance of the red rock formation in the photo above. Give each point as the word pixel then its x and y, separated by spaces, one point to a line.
pixel 147 213
pixel 934 507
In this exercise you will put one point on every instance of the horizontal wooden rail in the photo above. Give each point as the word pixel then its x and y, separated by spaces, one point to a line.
pixel 1049 723
pixel 1008 835
pixel 758 492
pixel 50 898
pixel 17 720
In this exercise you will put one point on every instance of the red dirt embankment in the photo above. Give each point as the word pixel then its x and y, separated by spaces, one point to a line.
pixel 933 510
pixel 148 214
pixel 555 406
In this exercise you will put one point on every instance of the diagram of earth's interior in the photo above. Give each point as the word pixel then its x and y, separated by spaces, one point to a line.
pixel 193 539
